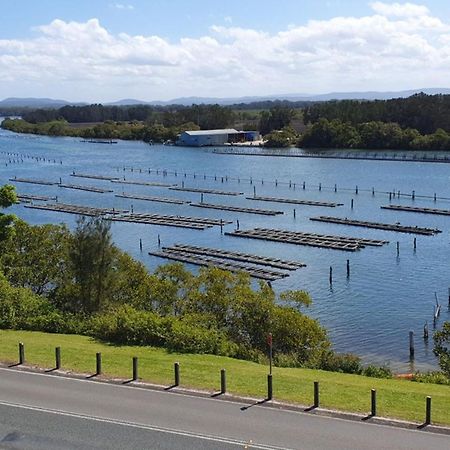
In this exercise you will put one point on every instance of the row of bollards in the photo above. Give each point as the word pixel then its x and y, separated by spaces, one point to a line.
pixel 223 380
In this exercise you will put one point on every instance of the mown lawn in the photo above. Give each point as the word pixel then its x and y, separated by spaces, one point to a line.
pixel 395 398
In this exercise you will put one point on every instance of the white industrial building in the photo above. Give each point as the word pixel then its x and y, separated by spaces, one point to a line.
pixel 227 136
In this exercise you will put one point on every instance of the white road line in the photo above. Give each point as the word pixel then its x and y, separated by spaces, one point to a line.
pixel 245 444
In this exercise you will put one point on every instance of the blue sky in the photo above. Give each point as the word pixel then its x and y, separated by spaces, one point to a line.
pixel 102 50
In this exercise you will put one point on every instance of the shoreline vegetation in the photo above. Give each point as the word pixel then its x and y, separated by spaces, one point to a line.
pixel 58 281
pixel 420 122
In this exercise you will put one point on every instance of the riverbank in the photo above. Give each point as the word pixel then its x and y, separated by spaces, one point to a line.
pixel 400 399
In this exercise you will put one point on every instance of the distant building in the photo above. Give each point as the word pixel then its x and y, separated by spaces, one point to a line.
pixel 226 136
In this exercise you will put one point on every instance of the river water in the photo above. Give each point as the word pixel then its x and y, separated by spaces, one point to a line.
pixel 370 313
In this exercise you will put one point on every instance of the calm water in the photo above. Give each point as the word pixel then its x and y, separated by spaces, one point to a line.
pixel 369 314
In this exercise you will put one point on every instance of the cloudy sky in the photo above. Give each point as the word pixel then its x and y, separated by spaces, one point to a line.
pixel 98 50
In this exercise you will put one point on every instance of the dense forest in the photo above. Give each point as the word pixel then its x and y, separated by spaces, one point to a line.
pixel 424 113
pixel 420 122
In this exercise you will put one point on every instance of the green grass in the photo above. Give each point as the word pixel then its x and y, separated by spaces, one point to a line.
pixel 396 398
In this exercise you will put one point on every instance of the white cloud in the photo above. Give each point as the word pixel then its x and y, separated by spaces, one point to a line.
pixel 387 50
pixel 399 9
pixel 122 6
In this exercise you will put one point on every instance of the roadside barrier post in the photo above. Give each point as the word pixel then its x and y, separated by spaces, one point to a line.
pixel 428 411
pixel 135 368
pixel 176 369
pixel 58 358
pixel 223 381
pixel 269 387
pixel 316 394
pixel 373 398
pixel 98 360
pixel 21 353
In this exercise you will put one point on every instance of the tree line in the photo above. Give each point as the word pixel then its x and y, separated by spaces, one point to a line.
pixel 335 133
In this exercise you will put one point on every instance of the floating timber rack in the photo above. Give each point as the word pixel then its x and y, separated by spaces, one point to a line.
pixel 85 188
pixel 33 181
pixel 380 226
pixel 75 209
pixel 143 183
pixel 29 198
pixel 205 191
pixel 416 209
pixel 195 223
pixel 175 201
pixel 256 272
pixel 94 177
pixel 264 212
pixel 309 239
pixel 294 201
pixel 237 256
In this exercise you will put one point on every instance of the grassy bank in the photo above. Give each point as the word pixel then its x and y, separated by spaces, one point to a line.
pixel 396 398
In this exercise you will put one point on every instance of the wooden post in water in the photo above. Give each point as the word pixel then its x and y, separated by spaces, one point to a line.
pixel 331 275
pixel 304 186
pixel 351 205
pixel 390 196
pixel 335 188
pixel 254 191
pixel 237 224
pixel 413 195
pixel 415 244
pixel 425 331
pixel 434 198
pixel 449 297
pixel 356 190
pixel 411 344
pixel 294 213
pixel 398 248
pixel 348 268
pixel 373 191
pixel 320 186
pixel 159 240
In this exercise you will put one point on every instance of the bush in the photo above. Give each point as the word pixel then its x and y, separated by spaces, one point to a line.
pixel 431 377
pixel 377 371
pixel 344 363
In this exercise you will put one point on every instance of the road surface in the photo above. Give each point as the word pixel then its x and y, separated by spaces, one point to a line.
pixel 40 411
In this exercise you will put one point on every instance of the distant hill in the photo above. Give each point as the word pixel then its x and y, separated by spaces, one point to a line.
pixel 368 95
pixel 187 101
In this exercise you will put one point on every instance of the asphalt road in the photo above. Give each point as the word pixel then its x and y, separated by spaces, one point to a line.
pixel 48 412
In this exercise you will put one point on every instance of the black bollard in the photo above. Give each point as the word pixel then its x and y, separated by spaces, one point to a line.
pixel 316 394
pixel 373 402
pixel 58 358
pixel 21 353
pixel 223 381
pixel 269 387
pixel 135 368
pixel 428 411
pixel 98 363
pixel 176 369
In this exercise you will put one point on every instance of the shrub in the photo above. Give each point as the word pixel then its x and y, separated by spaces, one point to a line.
pixel 377 371
pixel 344 363
pixel 431 377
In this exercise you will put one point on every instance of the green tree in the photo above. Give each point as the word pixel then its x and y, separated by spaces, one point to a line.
pixel 442 348
pixel 8 198
pixel 36 256
pixel 91 267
